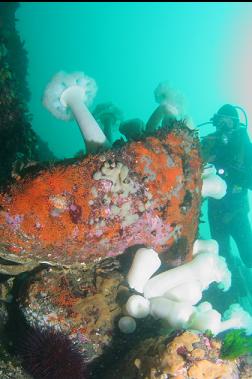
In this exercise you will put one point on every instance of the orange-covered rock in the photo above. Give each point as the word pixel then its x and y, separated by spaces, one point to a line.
pixel 145 192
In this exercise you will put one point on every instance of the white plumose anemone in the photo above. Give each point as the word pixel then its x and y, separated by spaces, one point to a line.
pixel 173 99
pixel 172 295
pixel 176 314
pixel 137 306
pixel 189 292
pixel 204 268
pixel 213 185
pixel 205 246
pixel 127 324
pixel 206 318
pixel 235 317
pixel 145 263
pixel 67 96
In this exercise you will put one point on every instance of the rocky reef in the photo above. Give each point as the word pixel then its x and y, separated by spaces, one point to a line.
pixel 69 232
pixel 146 192
pixel 20 146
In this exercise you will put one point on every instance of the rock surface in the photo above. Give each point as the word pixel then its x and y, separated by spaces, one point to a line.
pixel 186 356
pixel 145 192
pixel 81 303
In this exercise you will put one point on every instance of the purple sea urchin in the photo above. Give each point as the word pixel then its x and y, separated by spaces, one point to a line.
pixel 49 354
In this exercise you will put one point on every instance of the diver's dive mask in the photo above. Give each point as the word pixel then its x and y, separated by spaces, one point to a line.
pixel 230 111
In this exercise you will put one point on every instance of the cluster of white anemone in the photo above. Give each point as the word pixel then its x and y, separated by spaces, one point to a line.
pixel 68 96
pixel 172 295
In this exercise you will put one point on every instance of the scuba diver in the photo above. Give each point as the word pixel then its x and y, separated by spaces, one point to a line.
pixel 230 151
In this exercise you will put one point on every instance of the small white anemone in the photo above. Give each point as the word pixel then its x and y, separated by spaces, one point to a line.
pixel 235 317
pixel 137 306
pixel 205 246
pixel 145 263
pixel 205 318
pixel 127 324
pixel 67 96
pixel 213 185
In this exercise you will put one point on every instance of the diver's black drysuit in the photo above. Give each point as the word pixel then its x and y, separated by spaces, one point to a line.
pixel 232 157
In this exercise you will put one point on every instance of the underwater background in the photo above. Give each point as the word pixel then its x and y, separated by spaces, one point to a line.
pixel 204 50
